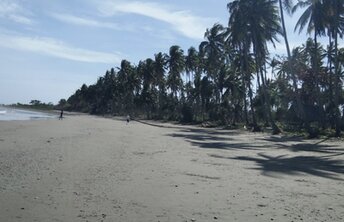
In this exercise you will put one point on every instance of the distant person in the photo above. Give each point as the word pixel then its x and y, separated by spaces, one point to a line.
pixel 61 115
pixel 128 119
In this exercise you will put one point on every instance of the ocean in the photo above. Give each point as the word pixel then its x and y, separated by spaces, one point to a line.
pixel 7 114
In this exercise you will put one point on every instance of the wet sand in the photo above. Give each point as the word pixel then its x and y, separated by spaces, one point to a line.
pixel 86 168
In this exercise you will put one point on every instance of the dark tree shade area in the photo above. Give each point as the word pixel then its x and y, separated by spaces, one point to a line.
pixel 233 78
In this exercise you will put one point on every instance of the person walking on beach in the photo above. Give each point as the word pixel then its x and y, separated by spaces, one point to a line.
pixel 61 115
pixel 128 119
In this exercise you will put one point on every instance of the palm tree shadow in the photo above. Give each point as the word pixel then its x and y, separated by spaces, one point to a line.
pixel 199 137
pixel 226 145
pixel 210 139
pixel 311 147
pixel 321 166
pixel 301 145
pixel 281 139
pixel 194 134
pixel 279 165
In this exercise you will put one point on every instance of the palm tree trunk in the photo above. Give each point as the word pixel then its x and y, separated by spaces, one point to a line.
pixel 265 76
pixel 337 84
pixel 260 87
pixel 275 129
pixel 243 72
pixel 250 92
pixel 245 105
pixel 329 61
pixel 300 110
pixel 254 119
pixel 317 82
pixel 258 79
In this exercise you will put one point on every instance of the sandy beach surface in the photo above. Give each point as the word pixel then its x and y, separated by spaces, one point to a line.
pixel 86 168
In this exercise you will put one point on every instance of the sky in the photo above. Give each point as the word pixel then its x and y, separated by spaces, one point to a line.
pixel 48 49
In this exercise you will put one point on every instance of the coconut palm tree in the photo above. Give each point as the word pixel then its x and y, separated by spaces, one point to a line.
pixel 259 20
pixel 176 65
pixel 160 69
pixel 287 5
pixel 191 62
pixel 145 70
pixel 212 50
pixel 334 12
pixel 129 83
pixel 314 19
pixel 160 81
pixel 240 39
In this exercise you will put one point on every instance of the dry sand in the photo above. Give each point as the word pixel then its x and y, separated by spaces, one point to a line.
pixel 87 168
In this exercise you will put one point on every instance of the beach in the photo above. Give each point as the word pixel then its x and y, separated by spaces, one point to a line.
pixel 87 168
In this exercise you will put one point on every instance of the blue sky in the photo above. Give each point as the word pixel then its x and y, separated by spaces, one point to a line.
pixel 48 49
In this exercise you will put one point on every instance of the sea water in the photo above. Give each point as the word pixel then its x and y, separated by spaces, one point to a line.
pixel 8 114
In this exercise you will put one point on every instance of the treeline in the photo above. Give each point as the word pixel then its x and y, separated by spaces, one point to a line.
pixel 35 104
pixel 233 79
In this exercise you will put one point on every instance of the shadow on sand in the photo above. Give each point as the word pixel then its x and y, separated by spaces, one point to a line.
pixel 213 139
pixel 312 165
pixel 322 166
pixel 300 145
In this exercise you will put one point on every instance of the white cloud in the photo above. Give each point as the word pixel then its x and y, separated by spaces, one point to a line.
pixel 75 20
pixel 12 11
pixel 20 19
pixel 52 47
pixel 184 22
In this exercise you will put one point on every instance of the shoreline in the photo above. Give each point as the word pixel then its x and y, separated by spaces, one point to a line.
pixel 35 114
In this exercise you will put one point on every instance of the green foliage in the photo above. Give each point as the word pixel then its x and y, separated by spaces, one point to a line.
pixel 34 104
pixel 226 81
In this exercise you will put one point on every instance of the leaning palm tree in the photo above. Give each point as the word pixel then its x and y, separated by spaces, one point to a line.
pixel 287 5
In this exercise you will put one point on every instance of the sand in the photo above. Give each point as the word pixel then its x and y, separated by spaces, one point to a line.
pixel 86 168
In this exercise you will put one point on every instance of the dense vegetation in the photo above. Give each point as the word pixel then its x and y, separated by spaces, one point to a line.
pixel 232 78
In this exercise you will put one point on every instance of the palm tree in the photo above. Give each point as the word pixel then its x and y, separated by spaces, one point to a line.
pixel 129 84
pixel 314 18
pixel 159 70
pixel 259 20
pixel 176 66
pixel 206 89
pixel 334 10
pixel 264 28
pixel 287 5
pixel 240 39
pixel 212 50
pixel 145 70
pixel 191 62
pixel 235 93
